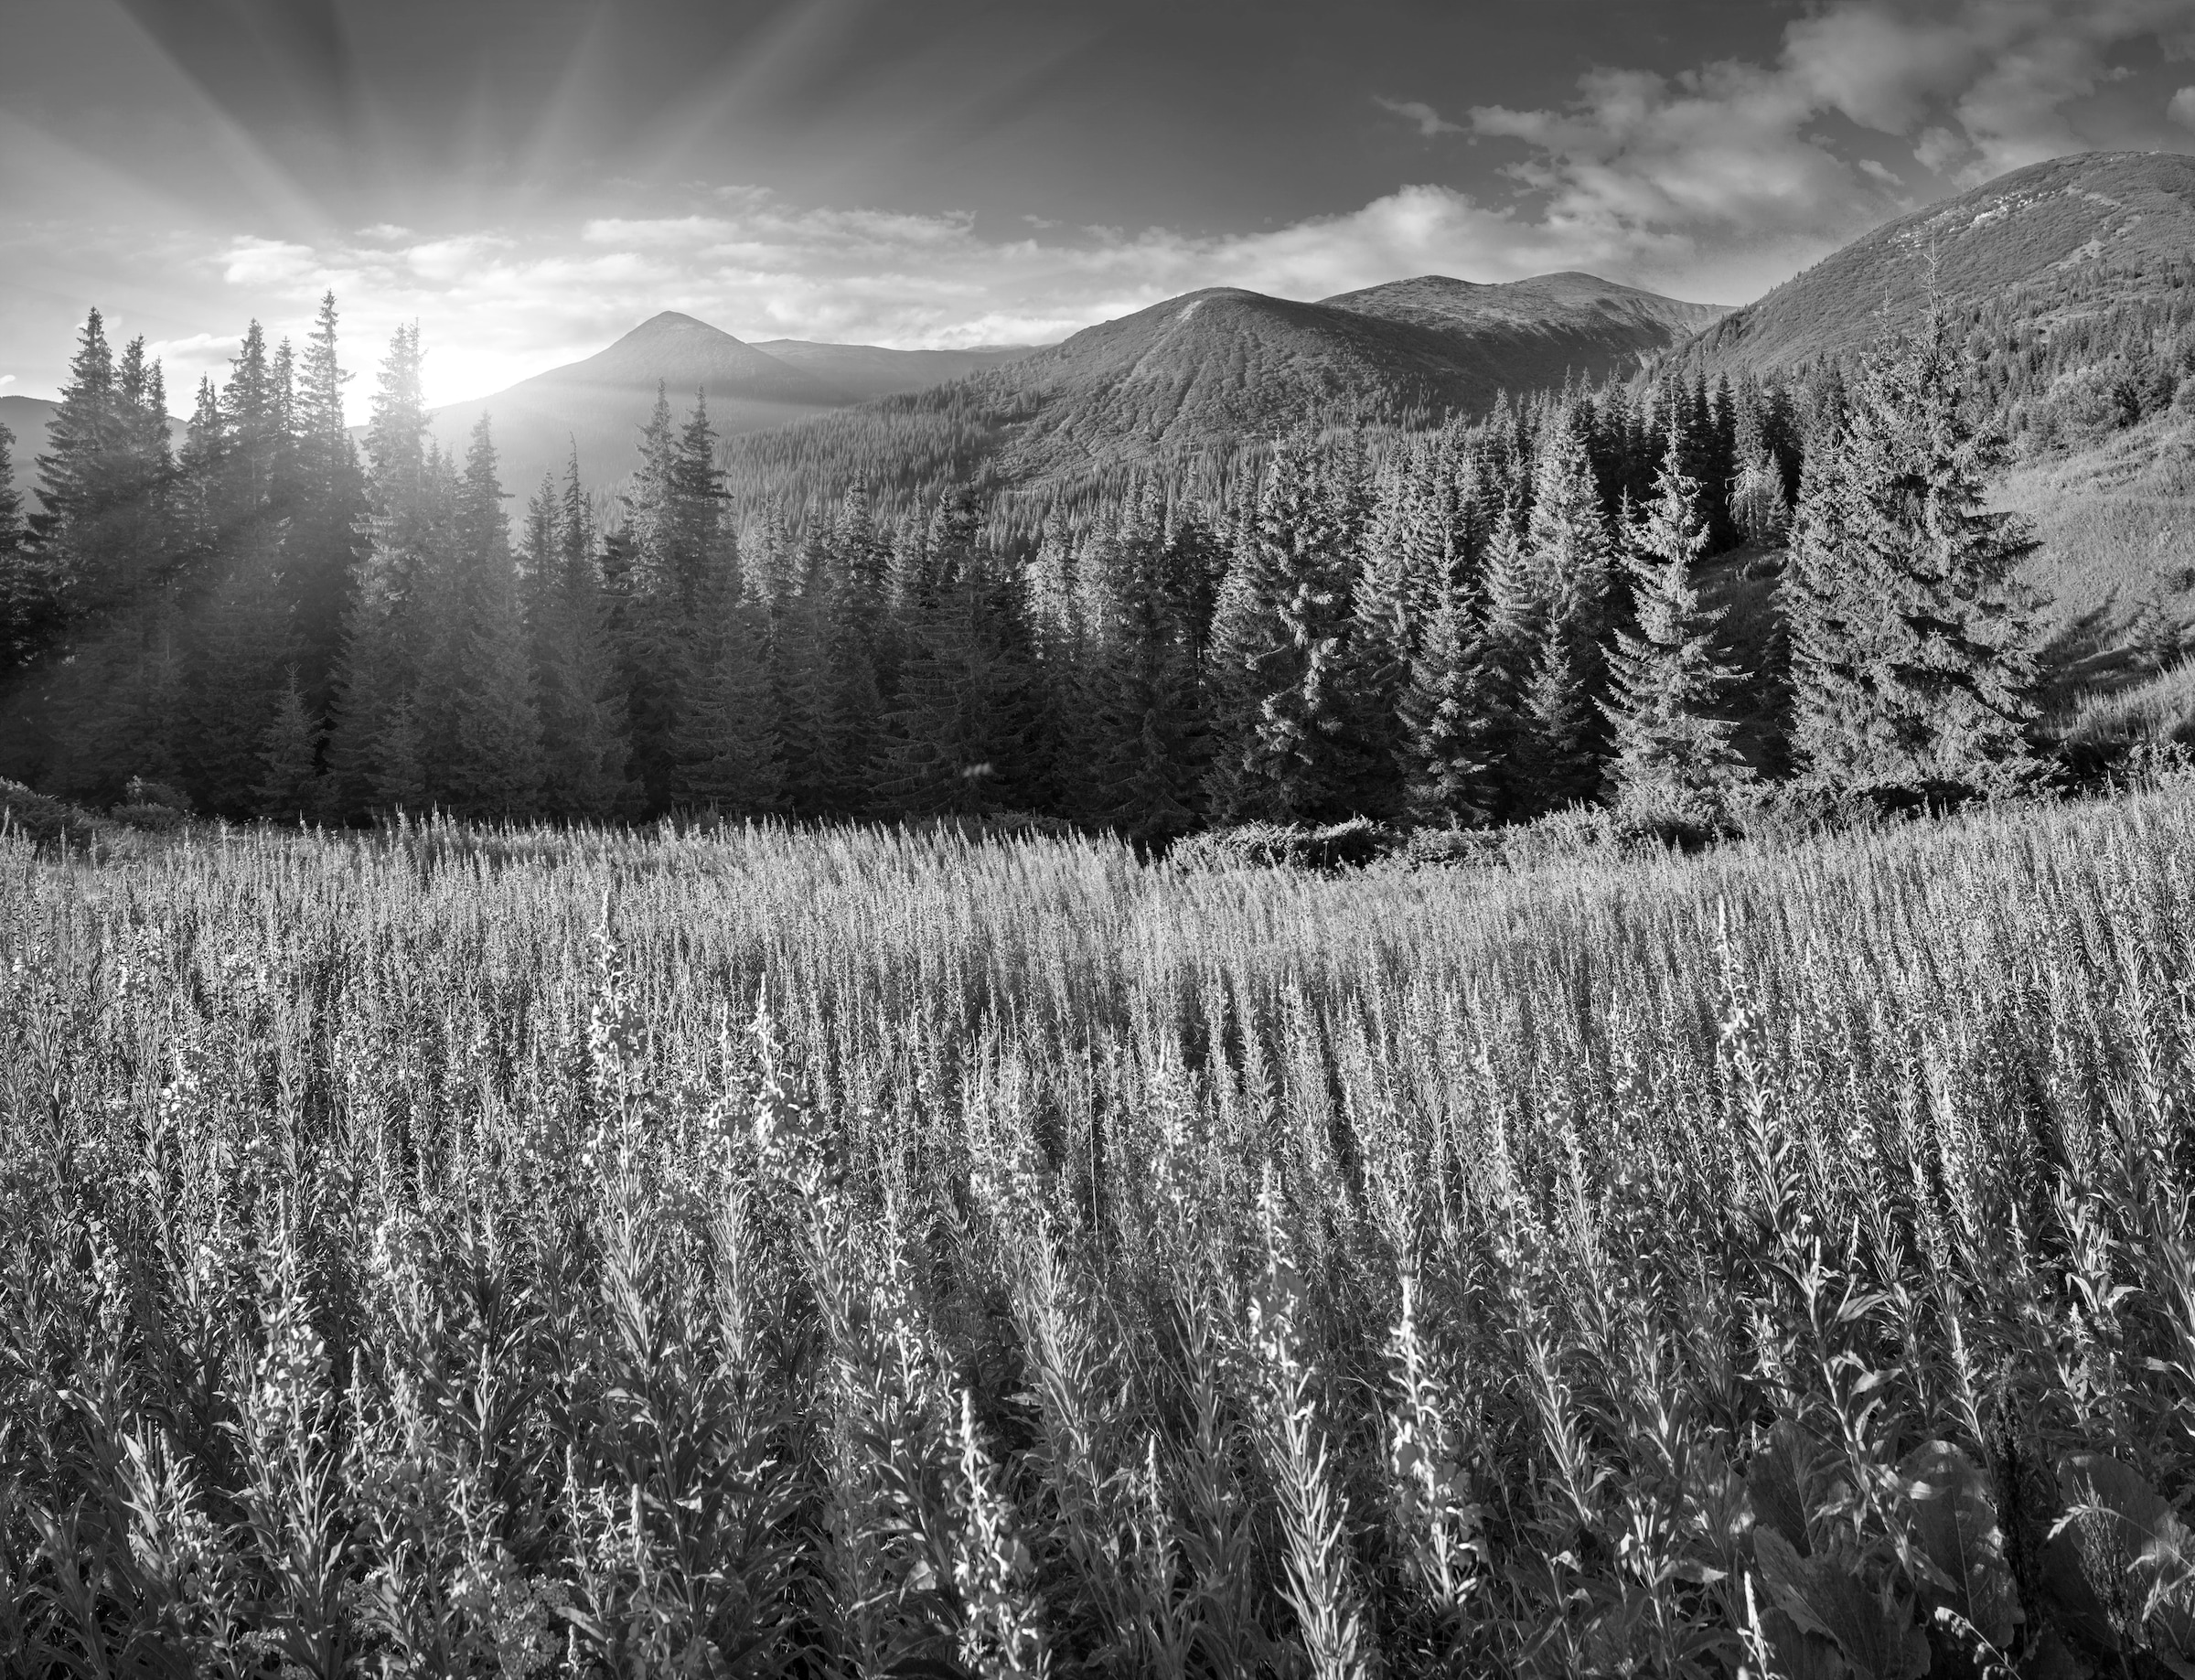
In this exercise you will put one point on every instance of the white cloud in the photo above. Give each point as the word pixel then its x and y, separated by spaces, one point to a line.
pixel 2181 108
pixel 6 380
pixel 264 262
pixel 1430 122
pixel 185 361
pixel 1740 158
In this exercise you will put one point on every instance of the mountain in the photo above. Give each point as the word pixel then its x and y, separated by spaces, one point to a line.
pixel 2065 237
pixel 29 418
pixel 1575 322
pixel 601 403
pixel 866 371
pixel 1200 371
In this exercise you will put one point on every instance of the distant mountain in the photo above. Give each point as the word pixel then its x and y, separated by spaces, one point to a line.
pixel 601 403
pixel 2073 234
pixel 1565 322
pixel 866 371
pixel 1202 371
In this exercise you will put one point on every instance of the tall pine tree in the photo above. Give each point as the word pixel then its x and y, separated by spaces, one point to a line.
pixel 1913 662
pixel 1673 756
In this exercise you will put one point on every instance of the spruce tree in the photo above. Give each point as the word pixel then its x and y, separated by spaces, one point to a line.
pixel 323 549
pixel 1556 757
pixel 84 526
pixel 288 788
pixel 1673 756
pixel 1912 635
pixel 495 764
pixel 238 666
pixel 961 732
pixel 21 588
pixel 1143 777
pixel 1452 715
pixel 1280 700
pixel 144 476
pixel 390 623
pixel 800 681
pixel 725 749
pixel 855 699
pixel 577 683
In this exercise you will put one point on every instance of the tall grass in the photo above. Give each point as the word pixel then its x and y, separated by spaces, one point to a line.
pixel 454 1253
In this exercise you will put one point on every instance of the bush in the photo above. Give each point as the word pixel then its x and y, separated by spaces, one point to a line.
pixel 1271 845
pixel 153 819
pixel 143 791
pixel 51 825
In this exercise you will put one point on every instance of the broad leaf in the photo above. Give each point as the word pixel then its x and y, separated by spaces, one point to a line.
pixel 1874 1633
pixel 1955 1520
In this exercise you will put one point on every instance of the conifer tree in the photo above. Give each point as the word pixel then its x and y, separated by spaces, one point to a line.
pixel 200 473
pixel 1556 757
pixel 494 769
pixel 577 684
pixel 1280 698
pixel 143 486
pixel 237 668
pixel 85 526
pixel 800 681
pixel 322 549
pixel 725 748
pixel 21 590
pixel 855 697
pixel 1912 635
pixel 1145 767
pixel 375 751
pixel 655 561
pixel 1452 715
pixel 288 784
pixel 1673 756
pixel 965 703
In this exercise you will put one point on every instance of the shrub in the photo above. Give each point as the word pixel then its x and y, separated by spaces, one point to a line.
pixel 50 824
pixel 1352 844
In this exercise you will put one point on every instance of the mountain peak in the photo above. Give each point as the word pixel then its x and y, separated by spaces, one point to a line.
pixel 669 323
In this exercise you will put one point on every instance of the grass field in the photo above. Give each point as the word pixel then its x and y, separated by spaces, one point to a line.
pixel 437 1253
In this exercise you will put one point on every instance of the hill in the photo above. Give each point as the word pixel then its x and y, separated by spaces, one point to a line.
pixel 1199 372
pixel 600 403
pixel 29 418
pixel 2056 239
pixel 866 371
pixel 1575 322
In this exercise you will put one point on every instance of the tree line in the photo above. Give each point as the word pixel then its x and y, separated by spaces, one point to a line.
pixel 1481 622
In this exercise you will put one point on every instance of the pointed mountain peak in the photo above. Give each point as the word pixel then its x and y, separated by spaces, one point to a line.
pixel 671 323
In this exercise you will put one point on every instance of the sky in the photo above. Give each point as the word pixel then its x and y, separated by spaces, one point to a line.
pixel 527 180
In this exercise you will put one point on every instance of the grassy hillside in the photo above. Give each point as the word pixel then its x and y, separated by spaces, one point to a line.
pixel 2063 239
pixel 416 1260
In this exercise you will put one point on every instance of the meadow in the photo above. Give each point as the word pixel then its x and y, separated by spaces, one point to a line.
pixel 455 1252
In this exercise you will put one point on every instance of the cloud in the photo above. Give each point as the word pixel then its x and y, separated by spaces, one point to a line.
pixel 1750 160
pixel 6 380
pixel 264 262
pixel 2182 108
pixel 1430 122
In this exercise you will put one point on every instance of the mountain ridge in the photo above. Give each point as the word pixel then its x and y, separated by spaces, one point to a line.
pixel 2052 225
pixel 1208 368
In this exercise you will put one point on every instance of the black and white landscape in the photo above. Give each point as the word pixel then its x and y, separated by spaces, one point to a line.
pixel 845 840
